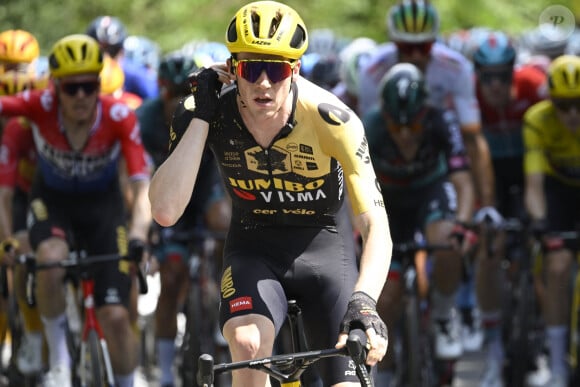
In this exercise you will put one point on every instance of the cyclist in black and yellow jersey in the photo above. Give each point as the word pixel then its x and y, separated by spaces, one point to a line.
pixel 288 151
pixel 552 188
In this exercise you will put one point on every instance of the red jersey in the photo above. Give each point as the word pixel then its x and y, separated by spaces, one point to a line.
pixel 114 133
pixel 503 127
pixel 130 99
pixel 17 155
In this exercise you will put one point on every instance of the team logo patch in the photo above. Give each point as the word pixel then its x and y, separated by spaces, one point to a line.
pixel 334 115
pixel 241 303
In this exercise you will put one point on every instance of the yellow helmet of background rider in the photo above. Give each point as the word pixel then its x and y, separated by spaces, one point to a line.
pixel 267 27
pixel 75 54
pixel 18 46
pixel 564 77
pixel 112 76
pixel 12 82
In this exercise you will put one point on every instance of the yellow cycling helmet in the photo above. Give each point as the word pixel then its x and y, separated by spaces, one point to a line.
pixel 267 27
pixel 75 54
pixel 18 46
pixel 12 82
pixel 564 77
pixel 112 76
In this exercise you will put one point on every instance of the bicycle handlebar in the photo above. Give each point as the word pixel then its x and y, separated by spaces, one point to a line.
pixel 296 363
pixel 413 247
pixel 74 260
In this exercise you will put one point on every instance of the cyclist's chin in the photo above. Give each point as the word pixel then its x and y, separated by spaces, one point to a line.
pixel 572 123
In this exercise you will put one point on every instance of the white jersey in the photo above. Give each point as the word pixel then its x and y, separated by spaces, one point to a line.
pixel 449 77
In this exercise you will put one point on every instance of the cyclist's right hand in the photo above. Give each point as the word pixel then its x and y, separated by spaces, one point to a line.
pixel 8 248
pixel 205 87
pixel 136 250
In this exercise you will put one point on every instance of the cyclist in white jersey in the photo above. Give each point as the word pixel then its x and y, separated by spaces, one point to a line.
pixel 449 77
pixel 413 27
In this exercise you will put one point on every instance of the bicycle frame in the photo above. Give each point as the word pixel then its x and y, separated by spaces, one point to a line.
pixel 91 323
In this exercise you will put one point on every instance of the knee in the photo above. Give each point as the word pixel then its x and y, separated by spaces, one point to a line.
pixel 246 341
pixel 249 341
pixel 172 276
pixel 558 266
pixel 114 320
pixel 51 250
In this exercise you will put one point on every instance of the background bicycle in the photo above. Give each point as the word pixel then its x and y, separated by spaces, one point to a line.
pixel 89 351
pixel 416 365
pixel 12 338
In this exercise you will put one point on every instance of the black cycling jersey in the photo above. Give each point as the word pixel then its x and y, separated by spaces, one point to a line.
pixel 440 152
pixel 300 178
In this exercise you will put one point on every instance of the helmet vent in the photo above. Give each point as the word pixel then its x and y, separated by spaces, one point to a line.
pixel 71 53
pixel 419 23
pixel 232 33
pixel 298 38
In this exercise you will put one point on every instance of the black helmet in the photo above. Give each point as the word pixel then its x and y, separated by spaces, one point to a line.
pixel 325 72
pixel 110 32
pixel 175 68
pixel 403 93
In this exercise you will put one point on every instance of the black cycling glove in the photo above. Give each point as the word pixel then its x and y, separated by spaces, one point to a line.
pixel 136 250
pixel 538 228
pixel 205 87
pixel 362 311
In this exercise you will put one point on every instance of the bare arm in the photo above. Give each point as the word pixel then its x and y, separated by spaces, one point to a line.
pixel 376 252
pixel 481 167
pixel 172 184
pixel 534 197
pixel 141 210
pixel 6 195
pixel 463 185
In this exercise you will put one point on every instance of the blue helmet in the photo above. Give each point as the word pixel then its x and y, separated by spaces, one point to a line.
pixel 494 49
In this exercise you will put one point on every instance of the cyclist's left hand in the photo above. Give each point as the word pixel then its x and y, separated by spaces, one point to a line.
pixel 488 215
pixel 462 238
pixel 362 311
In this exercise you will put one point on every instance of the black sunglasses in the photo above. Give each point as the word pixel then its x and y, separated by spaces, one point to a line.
pixel 72 88
pixel 566 104
pixel 487 77
pixel 408 49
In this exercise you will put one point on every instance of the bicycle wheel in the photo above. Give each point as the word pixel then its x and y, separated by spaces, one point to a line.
pixel 197 338
pixel 575 333
pixel 417 355
pixel 520 331
pixel 93 363
pixel 411 343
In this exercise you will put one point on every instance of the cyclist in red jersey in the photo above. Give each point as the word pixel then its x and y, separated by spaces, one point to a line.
pixel 504 95
pixel 75 197
pixel 19 52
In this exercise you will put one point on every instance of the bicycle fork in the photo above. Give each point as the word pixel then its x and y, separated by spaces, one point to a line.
pixel 575 319
pixel 91 324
